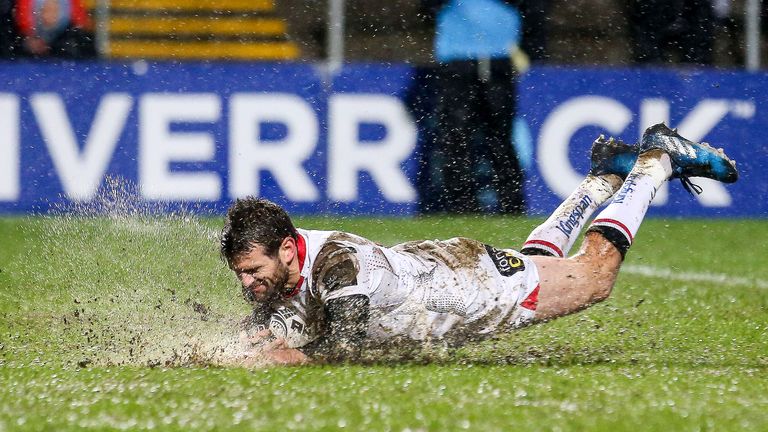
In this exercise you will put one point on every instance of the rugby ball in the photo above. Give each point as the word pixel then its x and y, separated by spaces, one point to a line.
pixel 287 324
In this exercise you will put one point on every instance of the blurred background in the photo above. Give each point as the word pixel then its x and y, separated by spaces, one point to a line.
pixel 406 107
pixel 585 32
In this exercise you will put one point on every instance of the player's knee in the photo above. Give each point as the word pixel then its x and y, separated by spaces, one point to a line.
pixel 604 278
pixel 602 268
pixel 602 291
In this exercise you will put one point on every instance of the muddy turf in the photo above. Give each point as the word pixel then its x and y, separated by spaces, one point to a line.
pixel 117 323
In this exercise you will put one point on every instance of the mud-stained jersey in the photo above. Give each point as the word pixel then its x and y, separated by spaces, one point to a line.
pixel 456 290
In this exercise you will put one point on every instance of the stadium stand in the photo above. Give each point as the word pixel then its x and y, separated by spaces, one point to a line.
pixel 191 29
pixel 583 32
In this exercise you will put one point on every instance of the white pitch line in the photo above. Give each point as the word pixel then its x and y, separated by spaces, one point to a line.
pixel 673 274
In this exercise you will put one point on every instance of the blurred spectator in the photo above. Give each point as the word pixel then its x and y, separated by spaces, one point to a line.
pixel 7 34
pixel 535 15
pixel 475 43
pixel 54 28
pixel 663 29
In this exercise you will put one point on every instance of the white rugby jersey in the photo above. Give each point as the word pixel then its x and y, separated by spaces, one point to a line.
pixel 456 289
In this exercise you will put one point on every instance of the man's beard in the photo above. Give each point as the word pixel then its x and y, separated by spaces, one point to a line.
pixel 281 280
pixel 275 287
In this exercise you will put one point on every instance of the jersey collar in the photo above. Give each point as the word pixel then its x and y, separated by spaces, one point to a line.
pixel 301 245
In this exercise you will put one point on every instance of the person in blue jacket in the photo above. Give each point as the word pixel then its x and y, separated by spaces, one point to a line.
pixel 476 42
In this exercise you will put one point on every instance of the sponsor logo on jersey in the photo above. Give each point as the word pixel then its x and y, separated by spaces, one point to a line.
pixel 505 261
pixel 574 219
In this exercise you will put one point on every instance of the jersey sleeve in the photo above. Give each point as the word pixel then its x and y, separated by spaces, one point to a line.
pixel 345 304
pixel 337 273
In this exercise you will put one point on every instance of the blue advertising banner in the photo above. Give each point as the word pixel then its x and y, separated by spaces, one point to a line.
pixel 566 109
pixel 206 134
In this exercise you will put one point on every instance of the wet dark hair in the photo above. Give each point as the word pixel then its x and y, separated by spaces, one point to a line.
pixel 254 221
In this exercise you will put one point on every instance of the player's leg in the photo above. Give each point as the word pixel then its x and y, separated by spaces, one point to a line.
pixel 569 285
pixel 611 163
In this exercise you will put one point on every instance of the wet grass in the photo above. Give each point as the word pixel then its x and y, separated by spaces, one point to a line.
pixel 109 324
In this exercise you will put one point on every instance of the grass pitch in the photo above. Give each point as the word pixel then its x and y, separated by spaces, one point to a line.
pixel 110 323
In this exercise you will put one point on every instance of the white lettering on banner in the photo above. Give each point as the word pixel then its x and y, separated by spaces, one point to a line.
pixel 81 172
pixel 695 126
pixel 158 146
pixel 348 156
pixel 10 160
pixel 558 128
pixel 609 114
pixel 249 154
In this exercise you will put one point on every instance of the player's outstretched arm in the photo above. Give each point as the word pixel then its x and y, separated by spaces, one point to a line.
pixel 342 339
pixel 278 353
pixel 263 349
pixel 273 353
pixel 346 327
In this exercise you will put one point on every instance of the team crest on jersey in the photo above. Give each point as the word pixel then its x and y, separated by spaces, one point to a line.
pixel 505 261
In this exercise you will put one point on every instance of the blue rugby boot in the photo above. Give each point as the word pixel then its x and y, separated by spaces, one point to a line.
pixel 689 159
pixel 612 157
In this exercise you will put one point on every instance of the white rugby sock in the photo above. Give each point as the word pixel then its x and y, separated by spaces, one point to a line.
pixel 556 235
pixel 619 222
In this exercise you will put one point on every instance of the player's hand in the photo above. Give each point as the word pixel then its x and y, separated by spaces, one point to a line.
pixel 255 339
pixel 277 352
pixel 272 353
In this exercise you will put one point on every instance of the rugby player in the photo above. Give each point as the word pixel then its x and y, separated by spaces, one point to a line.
pixel 327 295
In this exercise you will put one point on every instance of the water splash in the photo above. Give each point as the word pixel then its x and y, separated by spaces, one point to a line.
pixel 128 282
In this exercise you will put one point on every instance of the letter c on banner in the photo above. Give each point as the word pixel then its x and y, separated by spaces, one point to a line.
pixel 557 130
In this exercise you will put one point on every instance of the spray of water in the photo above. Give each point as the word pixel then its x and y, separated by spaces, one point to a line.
pixel 131 283
pixel 124 282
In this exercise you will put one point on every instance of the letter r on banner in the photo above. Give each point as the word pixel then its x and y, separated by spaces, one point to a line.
pixel 382 159
pixel 249 153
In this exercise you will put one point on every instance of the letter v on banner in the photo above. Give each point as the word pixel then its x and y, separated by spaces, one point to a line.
pixel 695 126
pixel 81 172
